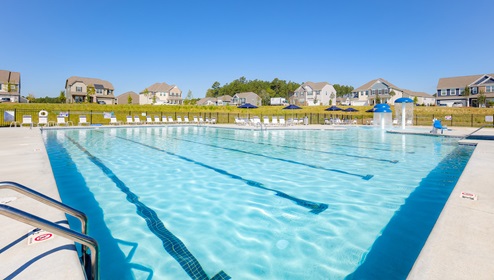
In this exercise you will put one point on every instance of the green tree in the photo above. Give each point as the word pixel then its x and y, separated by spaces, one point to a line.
pixel 9 87
pixel 90 92
pixel 154 98
pixel 61 97
pixel 30 97
pixel 481 99
pixel 415 100
pixel 342 90
pixel 392 93
pixel 189 95
pixel 466 92
pixel 129 99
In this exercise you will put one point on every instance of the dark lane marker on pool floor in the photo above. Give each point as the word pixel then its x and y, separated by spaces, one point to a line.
pixel 172 244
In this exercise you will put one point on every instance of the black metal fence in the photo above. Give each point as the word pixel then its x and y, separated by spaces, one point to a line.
pixel 8 116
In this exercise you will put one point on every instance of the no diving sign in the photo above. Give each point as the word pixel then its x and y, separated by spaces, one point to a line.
pixel 39 236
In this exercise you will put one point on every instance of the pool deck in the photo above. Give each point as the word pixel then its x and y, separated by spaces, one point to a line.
pixel 461 245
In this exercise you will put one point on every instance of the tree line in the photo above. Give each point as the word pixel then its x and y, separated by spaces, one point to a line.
pixel 265 89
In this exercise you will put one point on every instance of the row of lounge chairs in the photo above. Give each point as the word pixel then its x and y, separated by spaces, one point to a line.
pixel 27 120
pixel 136 120
pixel 275 121
pixel 338 121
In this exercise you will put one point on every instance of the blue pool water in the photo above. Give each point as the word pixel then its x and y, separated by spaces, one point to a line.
pixel 206 203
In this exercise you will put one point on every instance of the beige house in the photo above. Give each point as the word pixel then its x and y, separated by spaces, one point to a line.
pixel 246 97
pixel 100 91
pixel 314 94
pixel 367 93
pixel 10 86
pixel 451 91
pixel 161 94
pixel 217 101
pixel 421 98
pixel 124 98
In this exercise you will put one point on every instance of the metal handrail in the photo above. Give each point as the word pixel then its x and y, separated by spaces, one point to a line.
pixel 41 223
pixel 470 134
pixel 48 201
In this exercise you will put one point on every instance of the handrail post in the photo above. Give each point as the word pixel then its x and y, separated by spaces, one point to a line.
pixel 41 223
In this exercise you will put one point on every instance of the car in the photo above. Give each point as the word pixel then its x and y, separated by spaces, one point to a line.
pixel 457 104
pixel 5 99
pixel 102 102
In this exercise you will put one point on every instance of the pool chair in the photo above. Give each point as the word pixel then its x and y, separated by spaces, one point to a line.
pixel 274 120
pixel 149 120
pixel 157 120
pixel 186 120
pixel 82 120
pixel 114 121
pixel 213 121
pixel 61 121
pixel 170 119
pixel 27 120
pixel 130 120
pixel 436 125
pixel 195 120
pixel 265 120
pixel 164 119
pixel 43 120
pixel 282 121
pixel 179 119
pixel 201 120
pixel 137 120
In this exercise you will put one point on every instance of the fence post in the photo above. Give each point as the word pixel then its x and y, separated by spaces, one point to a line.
pixel 91 117
pixel 471 120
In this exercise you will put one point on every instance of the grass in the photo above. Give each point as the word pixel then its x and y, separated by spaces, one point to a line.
pixel 422 115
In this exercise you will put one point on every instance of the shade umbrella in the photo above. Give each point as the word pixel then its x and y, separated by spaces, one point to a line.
pixel 350 110
pixel 333 108
pixel 292 107
pixel 371 110
pixel 247 106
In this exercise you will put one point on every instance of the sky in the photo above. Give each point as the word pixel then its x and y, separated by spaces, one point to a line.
pixel 192 44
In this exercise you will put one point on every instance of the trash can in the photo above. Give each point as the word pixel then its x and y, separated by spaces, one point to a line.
pixel 306 120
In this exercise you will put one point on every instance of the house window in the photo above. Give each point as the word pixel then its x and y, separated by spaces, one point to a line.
pixel 489 88
pixel 452 91
pixel 373 92
pixel 78 89
pixel 99 91
pixel 443 92
pixel 473 90
pixel 386 91
pixel 367 92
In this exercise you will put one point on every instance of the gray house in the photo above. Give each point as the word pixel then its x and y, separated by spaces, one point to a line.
pixel 246 97
pixel 124 98
pixel 10 86
pixel 100 91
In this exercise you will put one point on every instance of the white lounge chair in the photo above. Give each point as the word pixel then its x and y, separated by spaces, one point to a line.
pixel 130 120
pixel 83 120
pixel 196 120
pixel 157 120
pixel 43 120
pixel 114 121
pixel 213 120
pixel 282 121
pixel 149 120
pixel 201 120
pixel 170 119
pixel 186 120
pixel 27 120
pixel 179 119
pixel 61 121
pixel 266 120
pixel 164 119
pixel 137 120
pixel 274 120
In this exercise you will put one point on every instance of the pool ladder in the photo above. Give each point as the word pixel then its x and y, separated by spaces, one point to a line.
pixel 90 260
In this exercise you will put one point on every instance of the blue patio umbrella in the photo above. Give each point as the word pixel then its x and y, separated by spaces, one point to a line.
pixel 333 108
pixel 350 110
pixel 292 107
pixel 247 106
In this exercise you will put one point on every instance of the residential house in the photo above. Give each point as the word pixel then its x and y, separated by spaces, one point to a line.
pixel 92 90
pixel 218 101
pixel 10 86
pixel 161 94
pixel 124 98
pixel 366 94
pixel 420 98
pixel 313 94
pixel 451 91
pixel 246 97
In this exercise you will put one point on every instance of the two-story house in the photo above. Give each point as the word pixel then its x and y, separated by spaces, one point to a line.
pixel 380 89
pixel 10 86
pixel 451 91
pixel 223 100
pixel 92 90
pixel 161 94
pixel 312 94
pixel 246 97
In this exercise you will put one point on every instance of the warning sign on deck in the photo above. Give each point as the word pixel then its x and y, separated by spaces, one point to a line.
pixel 38 236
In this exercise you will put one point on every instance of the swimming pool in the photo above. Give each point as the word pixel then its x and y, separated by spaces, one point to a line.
pixel 188 202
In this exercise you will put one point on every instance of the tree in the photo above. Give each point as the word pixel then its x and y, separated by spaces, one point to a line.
pixel 342 90
pixel 466 93
pixel 61 97
pixel 9 87
pixel 392 93
pixel 154 98
pixel 30 97
pixel 481 99
pixel 415 100
pixel 90 92
pixel 129 99
pixel 189 95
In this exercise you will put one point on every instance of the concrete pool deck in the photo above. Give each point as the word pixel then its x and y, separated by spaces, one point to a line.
pixel 461 245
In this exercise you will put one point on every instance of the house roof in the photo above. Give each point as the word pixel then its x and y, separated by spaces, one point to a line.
pixel 459 82
pixel 371 83
pixel 225 98
pixel 7 76
pixel 88 81
pixel 316 86
pixel 160 87
pixel 246 94
pixel 417 93
pixel 205 100
pixel 128 93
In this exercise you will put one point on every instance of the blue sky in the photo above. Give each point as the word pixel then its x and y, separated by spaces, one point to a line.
pixel 192 44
